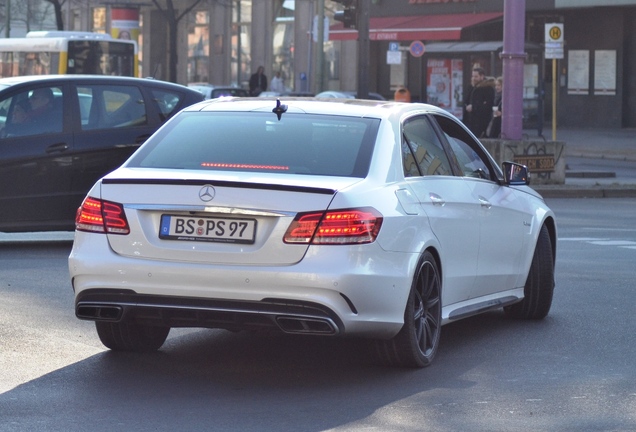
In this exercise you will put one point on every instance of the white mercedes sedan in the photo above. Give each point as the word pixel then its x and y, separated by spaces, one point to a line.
pixel 372 219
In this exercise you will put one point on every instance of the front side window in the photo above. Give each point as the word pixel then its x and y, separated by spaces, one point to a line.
pixel 33 112
pixel 422 151
pixel 111 106
pixel 259 142
pixel 472 160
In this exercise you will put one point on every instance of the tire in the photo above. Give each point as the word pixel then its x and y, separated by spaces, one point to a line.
pixel 417 342
pixel 540 283
pixel 122 336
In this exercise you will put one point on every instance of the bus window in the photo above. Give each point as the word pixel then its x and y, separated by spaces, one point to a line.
pixel 100 57
pixel 40 53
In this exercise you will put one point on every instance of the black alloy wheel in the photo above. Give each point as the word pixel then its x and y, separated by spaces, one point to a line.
pixel 417 342
pixel 539 287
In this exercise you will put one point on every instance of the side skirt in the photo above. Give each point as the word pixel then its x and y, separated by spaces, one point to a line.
pixel 476 306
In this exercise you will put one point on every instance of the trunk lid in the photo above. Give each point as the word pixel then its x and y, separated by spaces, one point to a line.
pixel 186 208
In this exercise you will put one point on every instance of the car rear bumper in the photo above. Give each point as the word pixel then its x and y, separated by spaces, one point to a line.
pixel 288 316
pixel 332 291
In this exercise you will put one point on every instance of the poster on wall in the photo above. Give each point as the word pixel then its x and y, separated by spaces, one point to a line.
pixel 444 80
pixel 124 23
pixel 605 73
pixel 578 72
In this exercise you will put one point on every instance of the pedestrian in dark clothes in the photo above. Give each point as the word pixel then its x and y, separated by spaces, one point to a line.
pixel 482 97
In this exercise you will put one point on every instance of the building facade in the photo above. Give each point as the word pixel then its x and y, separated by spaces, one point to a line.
pixel 429 46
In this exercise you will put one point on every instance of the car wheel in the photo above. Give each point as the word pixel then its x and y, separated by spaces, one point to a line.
pixel 540 283
pixel 122 336
pixel 416 343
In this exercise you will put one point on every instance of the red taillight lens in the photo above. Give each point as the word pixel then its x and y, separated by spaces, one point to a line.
pixel 348 226
pixel 102 217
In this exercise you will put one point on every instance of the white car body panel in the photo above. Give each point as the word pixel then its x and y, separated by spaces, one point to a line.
pixel 483 232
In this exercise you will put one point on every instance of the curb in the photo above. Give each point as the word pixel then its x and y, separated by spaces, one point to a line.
pixel 587 192
pixel 36 237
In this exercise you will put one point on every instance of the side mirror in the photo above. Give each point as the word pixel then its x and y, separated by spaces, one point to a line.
pixel 515 174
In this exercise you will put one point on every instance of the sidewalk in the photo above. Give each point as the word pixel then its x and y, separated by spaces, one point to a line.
pixel 601 163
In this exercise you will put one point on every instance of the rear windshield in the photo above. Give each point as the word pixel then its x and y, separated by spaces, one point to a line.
pixel 259 142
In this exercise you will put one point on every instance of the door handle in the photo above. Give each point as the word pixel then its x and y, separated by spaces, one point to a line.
pixel 57 148
pixel 436 199
pixel 484 202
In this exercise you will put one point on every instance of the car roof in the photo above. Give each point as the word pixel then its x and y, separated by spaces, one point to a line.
pixel 323 106
pixel 213 86
pixel 27 79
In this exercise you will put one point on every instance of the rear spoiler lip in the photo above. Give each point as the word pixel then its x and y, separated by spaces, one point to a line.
pixel 220 183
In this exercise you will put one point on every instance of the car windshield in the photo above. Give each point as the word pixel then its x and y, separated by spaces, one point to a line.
pixel 259 142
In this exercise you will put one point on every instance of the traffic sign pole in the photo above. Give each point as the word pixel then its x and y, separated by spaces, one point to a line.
pixel 554 51
pixel 554 98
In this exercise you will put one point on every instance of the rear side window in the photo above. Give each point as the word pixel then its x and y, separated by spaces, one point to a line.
pixel 297 144
pixel 422 151
pixel 167 102
pixel 111 106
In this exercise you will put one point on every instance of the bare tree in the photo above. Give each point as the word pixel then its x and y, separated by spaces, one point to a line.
pixel 172 19
pixel 33 13
pixel 57 7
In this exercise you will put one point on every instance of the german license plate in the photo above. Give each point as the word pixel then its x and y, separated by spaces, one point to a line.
pixel 212 229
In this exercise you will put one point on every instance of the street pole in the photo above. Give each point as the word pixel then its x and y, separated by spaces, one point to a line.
pixel 7 27
pixel 320 46
pixel 364 50
pixel 554 99
pixel 513 56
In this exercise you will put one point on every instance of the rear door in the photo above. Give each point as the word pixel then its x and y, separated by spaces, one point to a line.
pixel 35 161
pixel 113 122
pixel 448 204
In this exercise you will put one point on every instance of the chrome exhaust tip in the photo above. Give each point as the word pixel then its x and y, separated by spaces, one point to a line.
pixel 99 312
pixel 301 325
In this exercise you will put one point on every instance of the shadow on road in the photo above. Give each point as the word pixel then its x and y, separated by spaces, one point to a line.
pixel 217 380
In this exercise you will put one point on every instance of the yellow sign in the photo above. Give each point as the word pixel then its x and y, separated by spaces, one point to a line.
pixel 554 32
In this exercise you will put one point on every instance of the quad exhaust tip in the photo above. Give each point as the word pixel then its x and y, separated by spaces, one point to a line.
pixel 301 325
pixel 99 312
pixel 287 323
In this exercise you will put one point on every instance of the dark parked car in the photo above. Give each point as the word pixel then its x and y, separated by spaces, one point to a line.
pixel 60 134
pixel 210 91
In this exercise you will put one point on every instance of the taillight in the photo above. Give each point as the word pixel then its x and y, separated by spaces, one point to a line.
pixel 101 216
pixel 346 226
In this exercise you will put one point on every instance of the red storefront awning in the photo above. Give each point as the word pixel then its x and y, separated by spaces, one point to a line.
pixel 410 28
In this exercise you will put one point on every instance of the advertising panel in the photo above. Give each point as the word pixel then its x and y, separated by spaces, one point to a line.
pixel 444 86
pixel 124 23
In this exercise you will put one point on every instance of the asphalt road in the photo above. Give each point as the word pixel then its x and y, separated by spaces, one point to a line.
pixel 573 371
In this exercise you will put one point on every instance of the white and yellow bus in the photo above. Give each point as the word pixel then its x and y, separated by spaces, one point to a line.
pixel 68 52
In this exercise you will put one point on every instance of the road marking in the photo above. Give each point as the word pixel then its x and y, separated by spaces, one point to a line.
pixel 625 244
pixel 613 243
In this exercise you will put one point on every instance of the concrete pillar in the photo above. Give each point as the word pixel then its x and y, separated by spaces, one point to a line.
pixel 348 74
pixel 261 45
pixel 219 68
pixel 303 45
pixel 513 56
